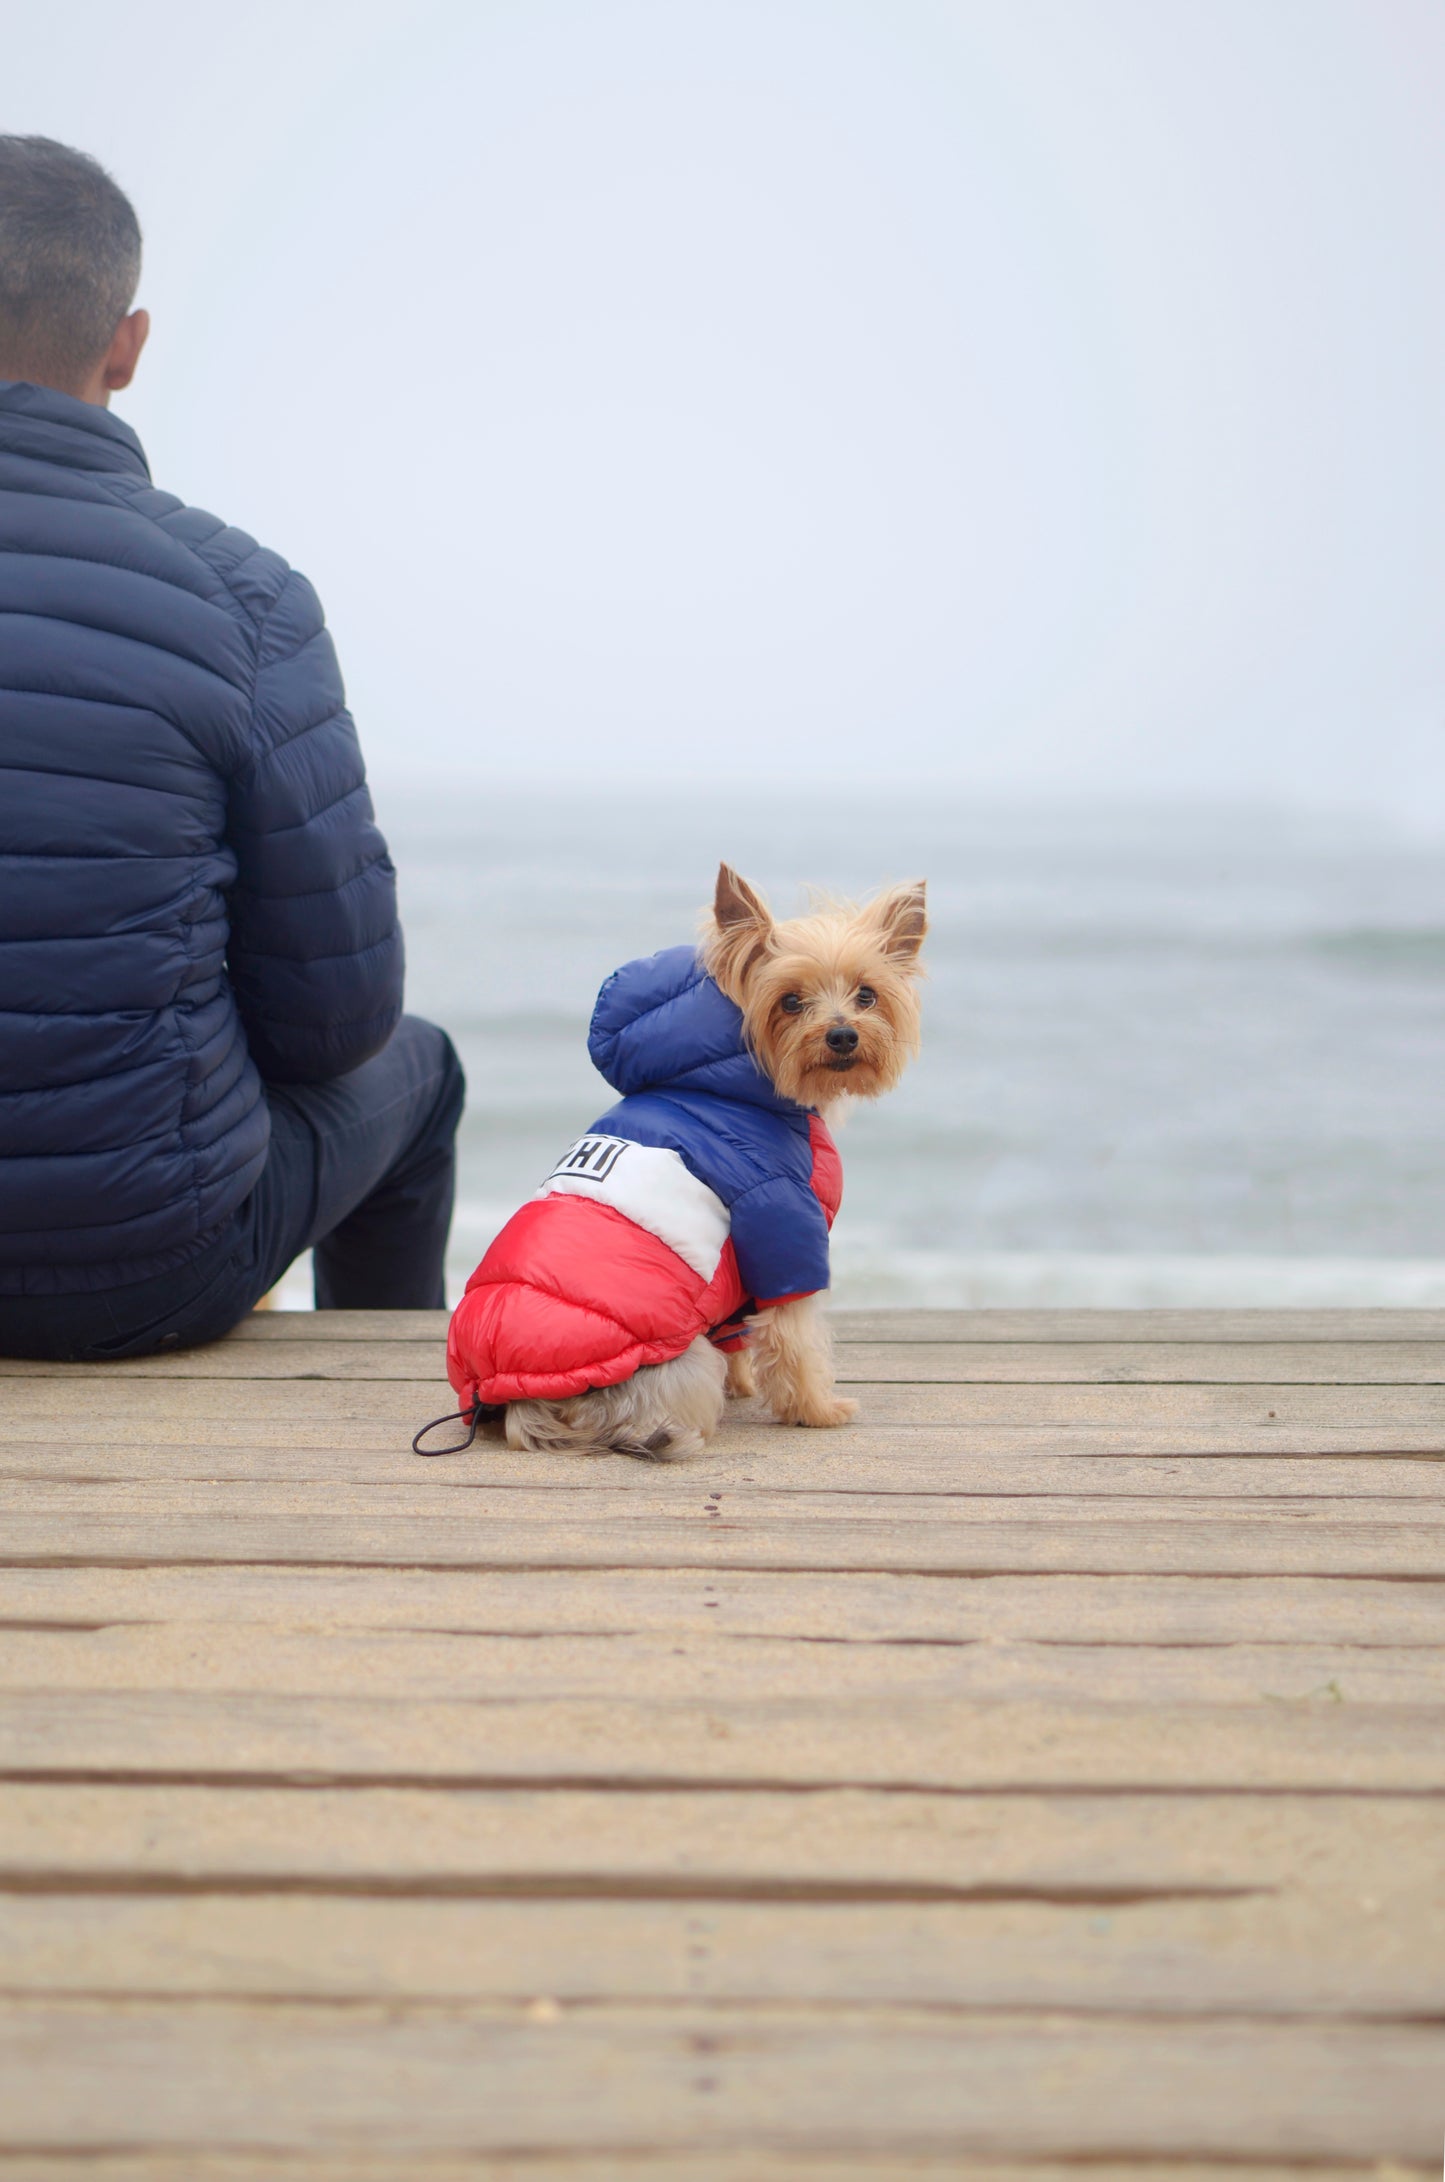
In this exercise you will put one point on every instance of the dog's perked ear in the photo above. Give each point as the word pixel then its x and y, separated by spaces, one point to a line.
pixel 741 930
pixel 901 921
pixel 735 902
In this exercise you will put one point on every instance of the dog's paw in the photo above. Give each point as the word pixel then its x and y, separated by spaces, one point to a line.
pixel 832 1410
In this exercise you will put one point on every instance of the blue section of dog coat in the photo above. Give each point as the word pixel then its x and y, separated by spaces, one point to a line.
pixel 667 1037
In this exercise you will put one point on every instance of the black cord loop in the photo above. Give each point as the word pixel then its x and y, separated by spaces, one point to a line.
pixel 476 1417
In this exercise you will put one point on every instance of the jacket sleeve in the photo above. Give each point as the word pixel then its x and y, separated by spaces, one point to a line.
pixel 315 952
pixel 780 1238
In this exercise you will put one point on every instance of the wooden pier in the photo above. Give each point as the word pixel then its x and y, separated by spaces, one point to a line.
pixel 1046 1772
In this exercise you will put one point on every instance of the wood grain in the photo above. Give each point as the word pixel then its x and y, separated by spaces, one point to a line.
pixel 1306 1742
pixel 494 1528
pixel 309 1443
pixel 488 1668
pixel 347 1400
pixel 453 2079
pixel 1046 1772
pixel 1070 1850
pixel 852 1608
pixel 757 2164
pixel 855 1607
pixel 586 1942
pixel 1319 1363
pixel 1233 1327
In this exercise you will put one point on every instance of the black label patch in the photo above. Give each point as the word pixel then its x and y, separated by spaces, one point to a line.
pixel 590 1159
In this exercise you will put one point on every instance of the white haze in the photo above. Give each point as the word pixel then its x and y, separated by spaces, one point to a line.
pixel 1042 395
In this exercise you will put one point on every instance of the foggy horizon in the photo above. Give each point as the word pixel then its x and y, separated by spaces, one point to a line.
pixel 1039 401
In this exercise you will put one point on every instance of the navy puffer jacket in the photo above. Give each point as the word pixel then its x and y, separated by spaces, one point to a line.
pixel 193 893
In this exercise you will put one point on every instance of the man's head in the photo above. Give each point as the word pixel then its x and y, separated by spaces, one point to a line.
pixel 69 264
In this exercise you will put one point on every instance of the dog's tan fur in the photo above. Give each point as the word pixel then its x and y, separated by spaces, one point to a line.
pixel 826 965
pixel 662 1412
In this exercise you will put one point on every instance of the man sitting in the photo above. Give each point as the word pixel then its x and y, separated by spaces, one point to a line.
pixel 204 1066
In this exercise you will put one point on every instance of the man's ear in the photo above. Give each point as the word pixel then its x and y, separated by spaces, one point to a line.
pixel 735 902
pixel 118 368
pixel 901 921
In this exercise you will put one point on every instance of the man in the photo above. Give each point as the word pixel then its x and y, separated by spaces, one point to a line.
pixel 204 1066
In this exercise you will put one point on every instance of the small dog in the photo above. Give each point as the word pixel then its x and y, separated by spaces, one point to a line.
pixel 677 1254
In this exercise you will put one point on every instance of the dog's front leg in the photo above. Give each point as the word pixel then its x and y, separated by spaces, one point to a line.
pixel 793 1356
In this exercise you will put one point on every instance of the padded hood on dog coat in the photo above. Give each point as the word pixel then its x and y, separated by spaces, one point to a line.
pixel 701 1195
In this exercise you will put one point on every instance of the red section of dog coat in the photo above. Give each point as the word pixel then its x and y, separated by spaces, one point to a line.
pixel 827 1167
pixel 572 1295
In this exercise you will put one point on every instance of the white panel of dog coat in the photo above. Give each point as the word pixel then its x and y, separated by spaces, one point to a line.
pixel 650 1186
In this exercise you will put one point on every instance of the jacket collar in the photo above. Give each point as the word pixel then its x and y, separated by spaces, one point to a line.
pixel 53 427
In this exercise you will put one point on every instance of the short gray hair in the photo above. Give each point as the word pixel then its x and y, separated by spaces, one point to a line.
pixel 69 261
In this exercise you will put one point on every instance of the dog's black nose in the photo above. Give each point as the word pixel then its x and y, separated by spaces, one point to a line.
pixel 842 1038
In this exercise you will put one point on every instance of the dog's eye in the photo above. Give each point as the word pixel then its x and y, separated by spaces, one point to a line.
pixel 791 1003
pixel 867 998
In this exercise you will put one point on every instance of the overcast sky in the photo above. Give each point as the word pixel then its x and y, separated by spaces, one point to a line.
pixel 1044 394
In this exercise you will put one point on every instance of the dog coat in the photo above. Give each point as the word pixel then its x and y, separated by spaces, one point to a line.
pixel 702 1195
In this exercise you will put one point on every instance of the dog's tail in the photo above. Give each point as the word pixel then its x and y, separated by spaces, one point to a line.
pixel 537 1426
pixel 663 1413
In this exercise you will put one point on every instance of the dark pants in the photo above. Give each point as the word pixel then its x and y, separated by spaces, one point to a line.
pixel 361 1169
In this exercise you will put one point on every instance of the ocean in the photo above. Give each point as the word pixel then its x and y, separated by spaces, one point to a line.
pixel 1170 1056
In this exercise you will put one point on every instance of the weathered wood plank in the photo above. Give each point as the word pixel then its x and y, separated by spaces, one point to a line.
pixel 1028 1326
pixel 754 2165
pixel 361 1326
pixel 925 1458
pixel 1374 1858
pixel 744 1754
pixel 231 1361
pixel 342 1403
pixel 1245 1547
pixel 310 1447
pixel 1122 1363
pixel 705 1736
pixel 1194 1906
pixel 1031 1326
pixel 498 1528
pixel 456 2079
pixel 1256 1956
pixel 1317 1363
pixel 626 1492
pixel 491 1669
pixel 855 1608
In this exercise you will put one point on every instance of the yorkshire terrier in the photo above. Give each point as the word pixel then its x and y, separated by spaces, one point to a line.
pixel 678 1253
